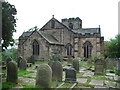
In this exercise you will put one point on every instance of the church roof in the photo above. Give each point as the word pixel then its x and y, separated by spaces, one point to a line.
pixel 25 34
pixel 51 39
pixel 87 30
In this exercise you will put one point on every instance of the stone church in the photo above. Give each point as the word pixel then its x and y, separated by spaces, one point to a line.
pixel 67 36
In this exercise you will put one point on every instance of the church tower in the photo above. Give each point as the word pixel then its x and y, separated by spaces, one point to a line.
pixel 73 23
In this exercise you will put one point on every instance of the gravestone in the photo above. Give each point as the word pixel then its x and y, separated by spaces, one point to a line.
pixel 31 60
pixel 57 70
pixel 19 59
pixel 8 60
pixel 118 82
pixel 110 63
pixel 75 65
pixel 44 76
pixel 99 67
pixel 12 72
pixel 118 66
pixel 23 64
pixel 70 75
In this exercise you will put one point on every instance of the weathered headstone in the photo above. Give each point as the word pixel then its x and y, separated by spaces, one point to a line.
pixel 23 64
pixel 99 67
pixel 12 72
pixel 57 70
pixel 70 75
pixel 75 65
pixel 43 76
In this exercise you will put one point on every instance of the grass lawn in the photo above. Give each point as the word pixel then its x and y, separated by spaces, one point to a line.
pixel 23 73
pixel 8 85
pixel 41 62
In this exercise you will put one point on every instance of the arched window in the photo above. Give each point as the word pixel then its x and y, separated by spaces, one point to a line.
pixel 87 49
pixel 70 25
pixel 69 49
pixel 35 48
pixel 52 24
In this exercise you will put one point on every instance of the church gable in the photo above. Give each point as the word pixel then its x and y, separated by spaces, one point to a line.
pixel 53 24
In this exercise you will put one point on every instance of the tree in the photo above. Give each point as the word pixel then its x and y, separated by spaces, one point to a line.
pixel 113 47
pixel 8 24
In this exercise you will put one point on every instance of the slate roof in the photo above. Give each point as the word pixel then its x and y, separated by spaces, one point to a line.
pixel 51 39
pixel 25 34
pixel 87 30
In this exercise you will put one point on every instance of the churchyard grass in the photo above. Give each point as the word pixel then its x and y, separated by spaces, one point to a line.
pixel 41 62
pixel 23 73
pixel 55 84
pixel 8 85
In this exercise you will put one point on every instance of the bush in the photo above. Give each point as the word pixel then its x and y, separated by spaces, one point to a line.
pixel 56 55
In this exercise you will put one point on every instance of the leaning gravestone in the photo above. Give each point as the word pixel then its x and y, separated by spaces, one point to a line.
pixel 99 67
pixel 70 75
pixel 12 72
pixel 57 70
pixel 23 64
pixel 43 76
pixel 75 65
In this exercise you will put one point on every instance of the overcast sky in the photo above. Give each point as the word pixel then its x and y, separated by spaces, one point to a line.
pixel 93 13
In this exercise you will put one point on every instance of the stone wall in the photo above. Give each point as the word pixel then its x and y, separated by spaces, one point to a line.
pixel 78 46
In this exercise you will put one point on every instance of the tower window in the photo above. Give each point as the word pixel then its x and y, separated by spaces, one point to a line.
pixel 70 25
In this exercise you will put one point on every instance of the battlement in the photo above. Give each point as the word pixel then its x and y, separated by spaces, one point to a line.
pixel 71 19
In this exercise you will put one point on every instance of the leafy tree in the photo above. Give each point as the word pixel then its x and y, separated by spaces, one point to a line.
pixel 8 24
pixel 113 47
